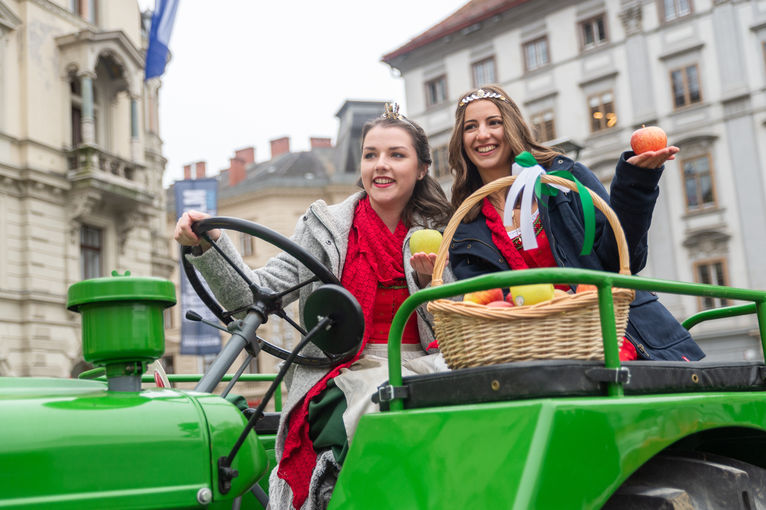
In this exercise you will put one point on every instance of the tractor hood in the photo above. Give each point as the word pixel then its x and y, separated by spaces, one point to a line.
pixel 66 442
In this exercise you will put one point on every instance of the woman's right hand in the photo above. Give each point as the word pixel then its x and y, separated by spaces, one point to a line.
pixel 186 237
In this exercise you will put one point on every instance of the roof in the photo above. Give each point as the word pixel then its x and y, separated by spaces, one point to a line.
pixel 475 11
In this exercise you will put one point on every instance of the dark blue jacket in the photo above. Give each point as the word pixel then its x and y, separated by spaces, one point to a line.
pixel 655 333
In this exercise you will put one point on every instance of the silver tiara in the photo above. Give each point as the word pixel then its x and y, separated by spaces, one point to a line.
pixel 482 94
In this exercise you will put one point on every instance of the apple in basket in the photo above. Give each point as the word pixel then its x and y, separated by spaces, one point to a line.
pixel 585 287
pixel 500 304
pixel 483 297
pixel 532 294
pixel 426 241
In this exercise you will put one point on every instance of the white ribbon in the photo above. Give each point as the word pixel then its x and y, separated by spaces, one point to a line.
pixel 524 185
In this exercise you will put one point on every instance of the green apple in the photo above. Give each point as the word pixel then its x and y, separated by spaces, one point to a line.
pixel 426 241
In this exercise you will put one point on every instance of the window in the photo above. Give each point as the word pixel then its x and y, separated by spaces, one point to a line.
pixel 712 272
pixel 602 114
pixel 86 9
pixel 91 251
pixel 592 33
pixel 245 244
pixel 536 53
pixel 686 86
pixel 440 163
pixel 698 183
pixel 483 72
pixel 436 91
pixel 674 9
pixel 543 126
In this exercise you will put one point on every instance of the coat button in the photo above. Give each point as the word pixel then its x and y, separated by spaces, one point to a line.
pixel 468 246
pixel 560 161
pixel 328 242
pixel 305 218
pixel 500 260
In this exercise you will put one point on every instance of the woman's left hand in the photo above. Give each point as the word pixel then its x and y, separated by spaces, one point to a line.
pixel 654 159
pixel 423 264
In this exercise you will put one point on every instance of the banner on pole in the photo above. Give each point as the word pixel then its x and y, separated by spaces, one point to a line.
pixel 196 337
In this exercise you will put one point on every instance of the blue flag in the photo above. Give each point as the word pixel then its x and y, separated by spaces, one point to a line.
pixel 159 37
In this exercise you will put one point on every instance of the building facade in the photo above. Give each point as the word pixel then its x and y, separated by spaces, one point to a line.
pixel 588 73
pixel 80 169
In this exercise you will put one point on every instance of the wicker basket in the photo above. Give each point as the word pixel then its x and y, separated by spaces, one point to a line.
pixel 566 327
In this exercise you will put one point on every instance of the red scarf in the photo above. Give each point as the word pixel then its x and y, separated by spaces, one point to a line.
pixel 374 256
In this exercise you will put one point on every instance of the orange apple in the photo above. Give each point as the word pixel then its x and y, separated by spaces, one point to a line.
pixel 585 287
pixel 500 304
pixel 648 138
pixel 483 297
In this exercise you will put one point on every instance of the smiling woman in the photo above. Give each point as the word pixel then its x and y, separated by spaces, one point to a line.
pixel 490 134
pixel 364 242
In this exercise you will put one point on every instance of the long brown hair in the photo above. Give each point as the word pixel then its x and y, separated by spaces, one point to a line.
pixel 517 135
pixel 428 203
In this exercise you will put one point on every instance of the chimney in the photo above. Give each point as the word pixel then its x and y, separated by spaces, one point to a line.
pixel 320 142
pixel 247 155
pixel 280 146
pixel 236 171
pixel 200 169
pixel 187 172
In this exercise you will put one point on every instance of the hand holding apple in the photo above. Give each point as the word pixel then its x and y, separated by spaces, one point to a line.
pixel 651 138
pixel 425 241
pixel 649 143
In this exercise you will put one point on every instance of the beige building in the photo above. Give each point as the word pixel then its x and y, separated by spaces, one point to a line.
pixel 274 193
pixel 586 74
pixel 80 169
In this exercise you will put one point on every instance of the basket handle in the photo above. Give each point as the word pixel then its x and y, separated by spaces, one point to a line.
pixel 503 182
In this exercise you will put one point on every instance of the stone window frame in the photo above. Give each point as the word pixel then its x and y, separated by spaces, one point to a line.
pixel 538 121
pixel 534 43
pixel 478 66
pixel 605 120
pixel 440 165
pixel 707 206
pixel 583 24
pixel 716 276
pixel 98 249
pixel 686 87
pixel 664 15
pixel 436 94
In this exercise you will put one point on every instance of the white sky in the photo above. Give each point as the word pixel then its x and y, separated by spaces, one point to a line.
pixel 244 72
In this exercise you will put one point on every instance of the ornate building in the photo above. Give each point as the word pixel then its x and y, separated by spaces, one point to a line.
pixel 586 74
pixel 80 169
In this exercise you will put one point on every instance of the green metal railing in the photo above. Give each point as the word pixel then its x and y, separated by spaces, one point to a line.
pixel 100 373
pixel 604 281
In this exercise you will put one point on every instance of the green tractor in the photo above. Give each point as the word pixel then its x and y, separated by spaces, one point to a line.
pixel 532 434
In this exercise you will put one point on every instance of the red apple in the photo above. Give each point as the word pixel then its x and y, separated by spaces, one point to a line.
pixel 648 138
pixel 585 287
pixel 500 304
pixel 483 297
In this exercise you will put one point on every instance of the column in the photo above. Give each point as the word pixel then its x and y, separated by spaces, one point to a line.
pixel 134 140
pixel 88 122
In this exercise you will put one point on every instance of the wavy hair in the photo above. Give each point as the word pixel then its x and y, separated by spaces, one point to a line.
pixel 516 133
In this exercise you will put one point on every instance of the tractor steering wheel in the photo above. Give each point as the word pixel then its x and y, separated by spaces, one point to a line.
pixel 320 271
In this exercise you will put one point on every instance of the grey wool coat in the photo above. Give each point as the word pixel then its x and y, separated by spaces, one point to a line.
pixel 322 231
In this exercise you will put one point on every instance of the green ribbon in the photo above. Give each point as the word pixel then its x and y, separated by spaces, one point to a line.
pixel 588 210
